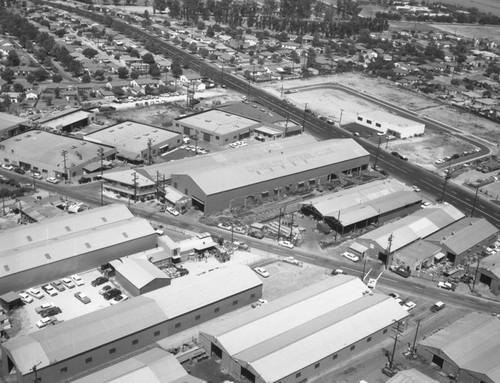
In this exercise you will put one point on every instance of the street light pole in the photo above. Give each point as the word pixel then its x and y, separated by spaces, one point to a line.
pixel 340 119
pixel 304 118
pixel 376 154
pixel 391 363
pixel 474 204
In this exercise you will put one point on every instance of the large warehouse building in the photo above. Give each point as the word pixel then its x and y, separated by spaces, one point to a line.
pixel 12 125
pixel 92 340
pixel 360 206
pixel 41 252
pixel 304 333
pixel 135 142
pixel 469 349
pixel 52 155
pixel 278 172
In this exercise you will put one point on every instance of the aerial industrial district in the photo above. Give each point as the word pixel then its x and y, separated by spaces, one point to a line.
pixel 199 202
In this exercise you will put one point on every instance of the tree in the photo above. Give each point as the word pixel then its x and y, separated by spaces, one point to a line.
pixel 13 58
pixel 90 53
pixel 154 71
pixel 57 92
pixel 148 58
pixel 8 75
pixel 134 74
pixel 135 53
pixel 56 77
pixel 175 68
pixel 99 75
pixel 40 74
pixel 86 78
pixel 18 87
pixel 122 72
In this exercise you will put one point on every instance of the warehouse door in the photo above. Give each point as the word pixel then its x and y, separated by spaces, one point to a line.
pixel 247 375
pixel 215 350
pixel 438 361
pixel 485 279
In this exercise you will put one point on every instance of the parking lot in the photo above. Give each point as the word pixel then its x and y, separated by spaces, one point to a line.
pixel 24 319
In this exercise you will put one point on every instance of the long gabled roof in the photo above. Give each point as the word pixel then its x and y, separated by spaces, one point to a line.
pixel 301 328
pixel 472 343
pixel 68 339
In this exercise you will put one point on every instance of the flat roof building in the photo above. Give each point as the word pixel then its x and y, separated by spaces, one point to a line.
pixel 389 123
pixel 131 183
pixel 411 376
pixel 41 252
pixel 134 142
pixel 394 236
pixel 67 120
pixel 304 333
pixel 12 125
pixel 362 205
pixel 95 339
pixel 489 272
pixel 468 349
pixel 52 155
pixel 151 366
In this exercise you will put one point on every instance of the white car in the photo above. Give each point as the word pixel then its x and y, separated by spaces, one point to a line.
pixel 292 260
pixel 43 322
pixel 287 244
pixel 118 299
pixel 35 293
pixel 53 180
pixel 372 283
pixel 77 279
pixel 260 302
pixel 350 256
pixel 37 176
pixel 426 204
pixel 25 297
pixel 49 290
pixel 68 283
pixel 7 167
pixel 225 226
pixel 445 285
pixel 409 305
pixel 416 188
pixel 172 211
pixel 261 271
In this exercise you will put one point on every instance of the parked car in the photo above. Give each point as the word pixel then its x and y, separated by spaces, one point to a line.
pixel 446 286
pixel 44 307
pixel 68 283
pixel 350 256
pixel 438 306
pixel 50 312
pixel 25 297
pixel 262 272
pixel 225 226
pixel 338 272
pixel 77 279
pixel 49 289
pixel 57 284
pixel 286 244
pixel 172 211
pixel 99 281
pixel 7 167
pixel 105 288
pixel 84 180
pixel 291 260
pixel 53 180
pixel 409 305
pixel 37 176
pixel 44 322
pixel 372 283
pixel 19 170
pixel 35 293
pixel 118 299
pixel 260 302
pixel 394 295
pixel 401 270
pixel 110 294
pixel 82 297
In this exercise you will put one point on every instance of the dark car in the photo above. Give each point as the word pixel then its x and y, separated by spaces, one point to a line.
pixel 110 294
pixel 19 171
pixel 99 281
pixel 51 311
pixel 403 271
pixel 58 285
pixel 84 180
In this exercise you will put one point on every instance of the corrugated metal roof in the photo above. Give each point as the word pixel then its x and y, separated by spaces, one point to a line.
pixel 138 272
pixel 418 225
pixel 26 235
pixel 276 164
pixel 411 376
pixel 152 366
pixel 491 263
pixel 90 331
pixel 472 342
pixel 297 330
pixel 71 245
pixel 66 120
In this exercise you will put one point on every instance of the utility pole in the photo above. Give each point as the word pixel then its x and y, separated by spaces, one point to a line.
pixel 291 228
pixel 3 200
pixel 391 363
pixel 474 204
pixel 100 151
pixel 340 119
pixel 446 178
pixel 279 225
pixel 64 153
pixel 134 178
pixel 475 274
pixel 389 246
pixel 376 154
pixel 150 149
pixel 304 118
pixel 415 339
pixel 222 77
pixel 364 267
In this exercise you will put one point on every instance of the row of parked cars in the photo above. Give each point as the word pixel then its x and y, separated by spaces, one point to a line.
pixel 108 290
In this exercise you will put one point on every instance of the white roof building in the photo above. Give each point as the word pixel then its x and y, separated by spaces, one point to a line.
pixel 316 326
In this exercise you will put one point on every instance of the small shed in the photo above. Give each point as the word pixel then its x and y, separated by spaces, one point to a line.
pixel 10 301
pixel 139 276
